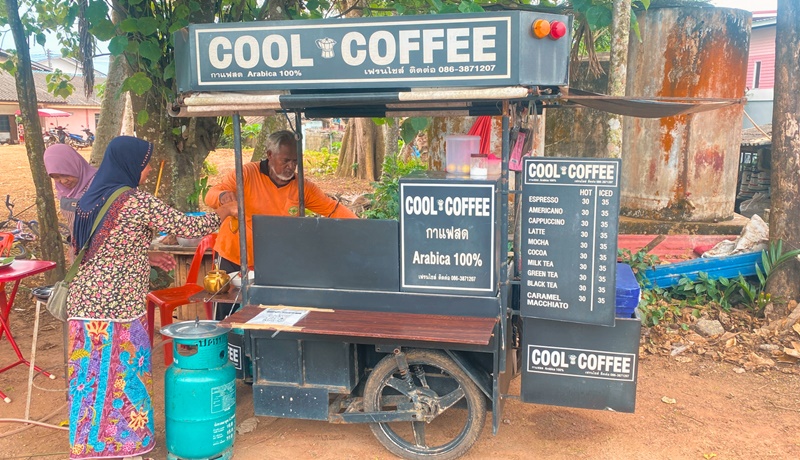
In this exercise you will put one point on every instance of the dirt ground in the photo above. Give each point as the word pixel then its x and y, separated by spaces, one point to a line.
pixel 689 406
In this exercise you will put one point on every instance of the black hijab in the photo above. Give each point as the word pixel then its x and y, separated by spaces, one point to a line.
pixel 123 163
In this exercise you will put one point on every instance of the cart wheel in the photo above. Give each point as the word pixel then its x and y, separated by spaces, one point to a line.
pixel 436 385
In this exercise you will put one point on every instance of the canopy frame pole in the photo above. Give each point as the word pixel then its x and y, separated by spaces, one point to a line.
pixel 301 193
pixel 237 153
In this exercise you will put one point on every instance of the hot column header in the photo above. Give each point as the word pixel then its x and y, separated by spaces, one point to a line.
pixel 454 50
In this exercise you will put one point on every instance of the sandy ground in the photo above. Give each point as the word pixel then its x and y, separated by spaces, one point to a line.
pixel 717 412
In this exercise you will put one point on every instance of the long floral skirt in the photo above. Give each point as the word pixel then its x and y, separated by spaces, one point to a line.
pixel 110 386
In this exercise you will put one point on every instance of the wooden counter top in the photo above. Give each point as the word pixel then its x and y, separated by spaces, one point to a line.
pixel 378 325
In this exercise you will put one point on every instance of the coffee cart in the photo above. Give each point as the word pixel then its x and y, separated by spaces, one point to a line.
pixel 418 326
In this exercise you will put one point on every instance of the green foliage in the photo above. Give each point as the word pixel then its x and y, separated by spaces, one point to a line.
pixel 754 297
pixel 58 84
pixel 201 186
pixel 251 131
pixel 209 169
pixel 640 262
pixel 385 202
pixel 321 162
pixel 772 258
pixel 411 126
pixel 199 193
pixel 704 290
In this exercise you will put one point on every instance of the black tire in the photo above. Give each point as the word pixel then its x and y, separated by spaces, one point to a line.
pixel 449 435
pixel 18 251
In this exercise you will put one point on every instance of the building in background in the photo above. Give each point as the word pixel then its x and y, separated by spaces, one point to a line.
pixel 84 111
pixel 760 69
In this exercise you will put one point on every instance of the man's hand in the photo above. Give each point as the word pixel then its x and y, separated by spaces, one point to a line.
pixel 226 197
pixel 228 209
pixel 162 260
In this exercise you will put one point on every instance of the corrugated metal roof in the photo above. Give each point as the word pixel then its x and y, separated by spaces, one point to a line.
pixel 753 137
pixel 764 22
pixel 8 91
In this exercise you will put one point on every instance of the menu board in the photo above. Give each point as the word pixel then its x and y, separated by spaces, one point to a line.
pixel 570 211
pixel 447 236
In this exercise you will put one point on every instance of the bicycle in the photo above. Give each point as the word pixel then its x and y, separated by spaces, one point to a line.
pixel 26 231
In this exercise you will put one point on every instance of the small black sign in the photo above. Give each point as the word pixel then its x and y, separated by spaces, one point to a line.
pixel 447 236
pixel 570 211
pixel 580 365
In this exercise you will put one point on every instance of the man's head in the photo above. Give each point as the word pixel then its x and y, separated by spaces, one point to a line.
pixel 282 156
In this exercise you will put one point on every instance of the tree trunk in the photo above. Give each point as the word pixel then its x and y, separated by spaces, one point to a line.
pixel 618 68
pixel 269 125
pixel 49 237
pixel 183 157
pixel 114 103
pixel 783 222
pixel 360 156
pixel 391 136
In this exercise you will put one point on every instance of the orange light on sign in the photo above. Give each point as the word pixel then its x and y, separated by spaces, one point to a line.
pixel 557 30
pixel 541 28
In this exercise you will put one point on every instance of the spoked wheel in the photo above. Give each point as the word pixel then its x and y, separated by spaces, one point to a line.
pixel 453 407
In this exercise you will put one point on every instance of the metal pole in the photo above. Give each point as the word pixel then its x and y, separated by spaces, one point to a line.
pixel 298 122
pixel 504 298
pixel 237 153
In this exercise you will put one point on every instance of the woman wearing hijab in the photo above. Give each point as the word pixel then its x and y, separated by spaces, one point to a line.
pixel 72 175
pixel 110 379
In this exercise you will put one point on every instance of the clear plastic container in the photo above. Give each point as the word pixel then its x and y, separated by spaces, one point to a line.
pixel 458 149
pixel 478 165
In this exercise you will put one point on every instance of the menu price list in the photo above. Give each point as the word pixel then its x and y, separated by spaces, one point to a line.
pixel 570 212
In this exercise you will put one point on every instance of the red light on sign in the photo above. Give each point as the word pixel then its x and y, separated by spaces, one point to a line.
pixel 541 28
pixel 557 30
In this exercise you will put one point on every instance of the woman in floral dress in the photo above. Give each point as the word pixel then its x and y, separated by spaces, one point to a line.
pixel 110 379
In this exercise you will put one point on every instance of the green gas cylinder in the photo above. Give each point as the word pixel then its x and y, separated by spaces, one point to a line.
pixel 199 392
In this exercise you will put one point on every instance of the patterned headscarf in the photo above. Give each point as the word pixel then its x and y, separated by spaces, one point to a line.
pixel 123 163
pixel 63 159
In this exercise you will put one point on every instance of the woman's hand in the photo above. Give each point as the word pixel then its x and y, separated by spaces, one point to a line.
pixel 228 209
pixel 162 260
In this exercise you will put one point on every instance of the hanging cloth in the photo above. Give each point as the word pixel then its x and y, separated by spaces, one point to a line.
pixel 483 128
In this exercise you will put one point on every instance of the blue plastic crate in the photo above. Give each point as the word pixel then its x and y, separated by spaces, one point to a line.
pixel 628 291
pixel 665 276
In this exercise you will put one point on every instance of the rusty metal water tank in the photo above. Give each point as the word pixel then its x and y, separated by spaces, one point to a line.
pixel 684 168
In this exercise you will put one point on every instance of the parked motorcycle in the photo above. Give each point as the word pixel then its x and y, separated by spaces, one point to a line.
pixel 78 141
pixel 49 138
pixel 60 133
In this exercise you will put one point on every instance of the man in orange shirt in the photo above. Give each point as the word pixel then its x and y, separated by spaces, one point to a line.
pixel 270 188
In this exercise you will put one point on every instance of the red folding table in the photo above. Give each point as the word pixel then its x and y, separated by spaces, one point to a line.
pixel 15 273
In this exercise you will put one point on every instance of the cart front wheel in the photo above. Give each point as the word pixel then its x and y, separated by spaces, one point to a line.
pixel 429 382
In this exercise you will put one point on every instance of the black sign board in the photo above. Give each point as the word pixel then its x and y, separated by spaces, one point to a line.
pixel 447 236
pixel 580 365
pixel 380 52
pixel 570 211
